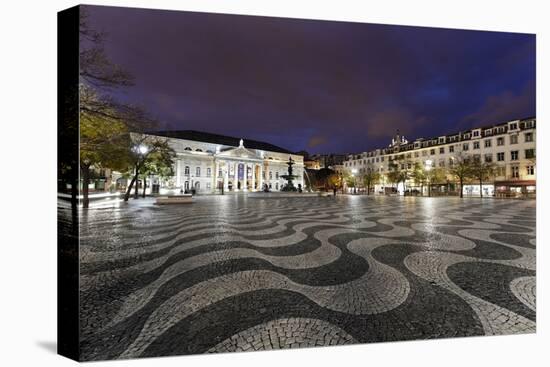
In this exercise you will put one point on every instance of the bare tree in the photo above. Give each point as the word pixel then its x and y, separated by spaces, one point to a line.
pixel 371 177
pixel 481 171
pixel 105 123
pixel 461 169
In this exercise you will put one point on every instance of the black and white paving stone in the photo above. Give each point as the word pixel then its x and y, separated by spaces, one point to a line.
pixel 234 273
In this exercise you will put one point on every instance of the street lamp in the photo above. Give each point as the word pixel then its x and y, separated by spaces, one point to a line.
pixel 143 149
pixel 428 168
pixel 353 172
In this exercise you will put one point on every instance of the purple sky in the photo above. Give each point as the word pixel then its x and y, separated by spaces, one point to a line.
pixel 318 86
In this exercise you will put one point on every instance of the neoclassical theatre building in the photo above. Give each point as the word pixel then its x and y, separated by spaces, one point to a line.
pixel 511 146
pixel 208 162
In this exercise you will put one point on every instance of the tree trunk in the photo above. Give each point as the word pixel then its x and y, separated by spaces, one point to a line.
pixel 461 187
pixel 129 188
pixel 144 185
pixel 136 188
pixel 85 183
pixel 74 193
pixel 480 188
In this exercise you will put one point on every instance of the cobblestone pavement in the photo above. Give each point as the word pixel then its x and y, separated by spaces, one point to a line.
pixel 235 273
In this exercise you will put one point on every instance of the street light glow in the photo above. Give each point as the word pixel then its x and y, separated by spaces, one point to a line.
pixel 143 149
pixel 428 165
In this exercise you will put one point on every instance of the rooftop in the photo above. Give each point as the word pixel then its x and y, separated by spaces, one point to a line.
pixel 218 139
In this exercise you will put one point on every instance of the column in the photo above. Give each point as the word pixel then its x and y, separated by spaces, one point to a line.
pixel 245 177
pixel 254 177
pixel 261 177
pixel 226 179
pixel 215 176
pixel 236 176
pixel 178 173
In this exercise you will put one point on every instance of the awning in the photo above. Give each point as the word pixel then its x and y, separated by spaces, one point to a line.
pixel 516 183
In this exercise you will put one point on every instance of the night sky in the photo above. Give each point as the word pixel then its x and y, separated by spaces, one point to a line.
pixel 320 86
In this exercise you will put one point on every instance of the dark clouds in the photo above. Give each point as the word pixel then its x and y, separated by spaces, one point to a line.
pixel 314 85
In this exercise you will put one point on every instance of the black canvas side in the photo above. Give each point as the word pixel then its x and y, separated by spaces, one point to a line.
pixel 68 178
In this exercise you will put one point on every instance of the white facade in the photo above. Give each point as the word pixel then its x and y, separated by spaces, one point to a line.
pixel 511 146
pixel 207 167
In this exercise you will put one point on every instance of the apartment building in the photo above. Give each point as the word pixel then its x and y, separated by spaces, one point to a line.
pixel 511 146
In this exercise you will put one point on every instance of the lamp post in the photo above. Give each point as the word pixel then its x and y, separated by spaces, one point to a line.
pixel 141 151
pixel 428 167
pixel 353 173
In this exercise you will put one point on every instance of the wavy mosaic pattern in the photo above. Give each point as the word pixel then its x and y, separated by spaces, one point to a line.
pixel 231 273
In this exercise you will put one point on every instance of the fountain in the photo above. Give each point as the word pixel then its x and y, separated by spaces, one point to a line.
pixel 309 187
pixel 288 190
pixel 290 177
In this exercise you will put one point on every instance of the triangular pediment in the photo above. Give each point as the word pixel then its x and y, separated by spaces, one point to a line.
pixel 239 152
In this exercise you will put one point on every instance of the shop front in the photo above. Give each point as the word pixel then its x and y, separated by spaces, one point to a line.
pixel 516 188
pixel 474 190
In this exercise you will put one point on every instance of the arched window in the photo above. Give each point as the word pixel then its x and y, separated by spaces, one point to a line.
pixel 198 150
pixel 197 185
pixel 198 171
pixel 186 171
pixel 188 148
